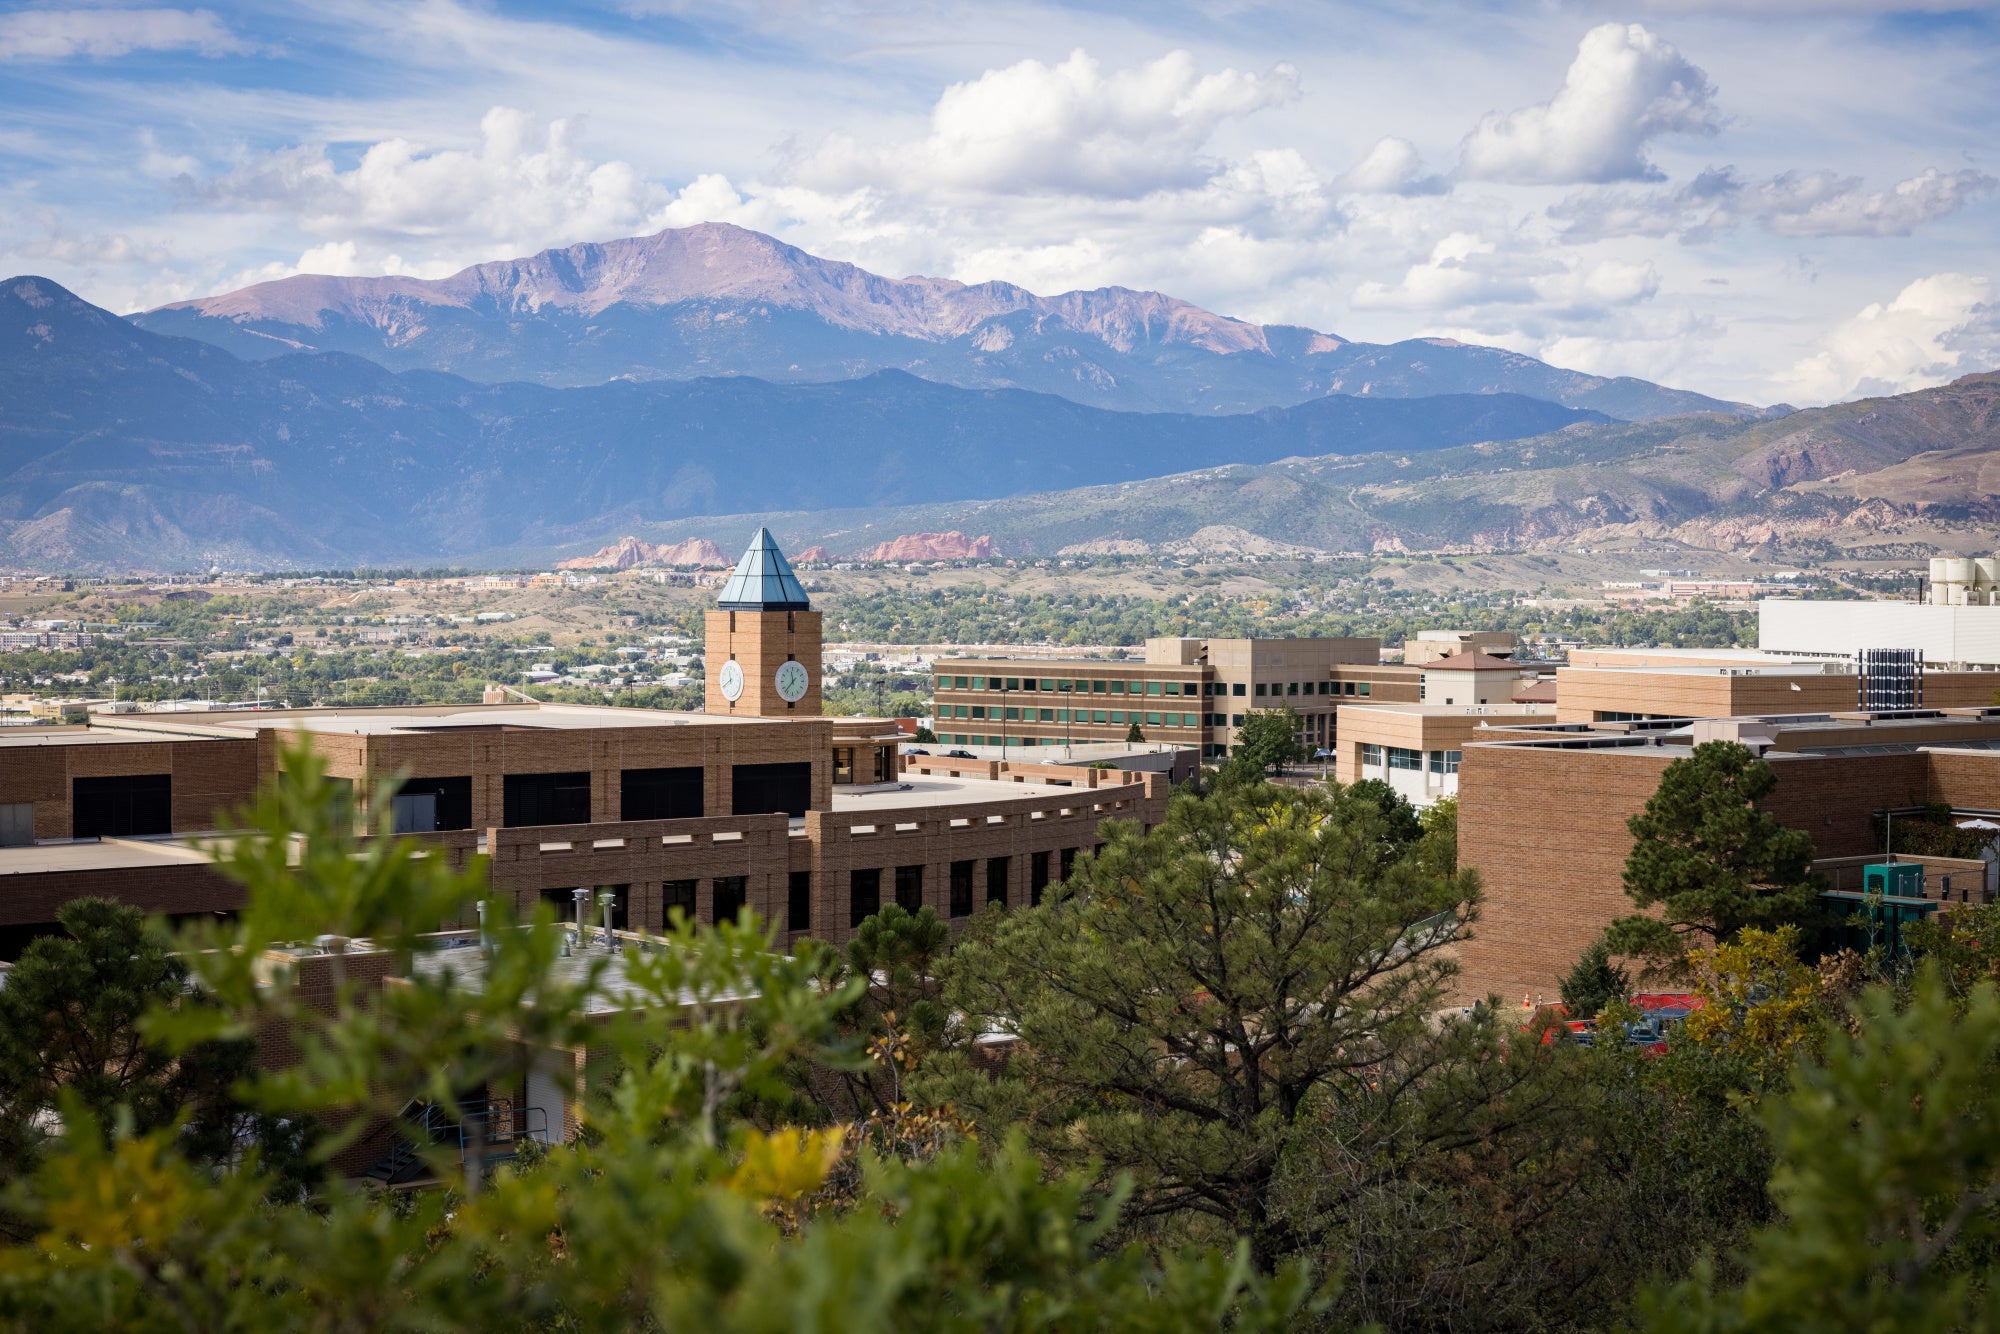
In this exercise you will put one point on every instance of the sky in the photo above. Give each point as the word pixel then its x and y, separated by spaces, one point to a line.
pixel 1765 200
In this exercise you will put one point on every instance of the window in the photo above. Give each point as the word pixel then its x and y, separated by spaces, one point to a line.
pixel 843 764
pixel 767 789
pixel 660 794
pixel 1291 687
pixel 1260 687
pixel 1152 720
pixel 1117 717
pixel 961 889
pixel 1236 689
pixel 1048 683
pixel 959 683
pixel 864 895
pixel 1401 757
pixel 450 804
pixel 1362 688
pixel 799 902
pixel 996 880
pixel 1445 761
pixel 731 892
pixel 1047 716
pixel 1347 687
pixel 978 682
pixel 1065 687
pixel 1325 687
pixel 1013 715
pixel 1236 720
pixel 1152 687
pixel 1117 687
pixel 1068 863
pixel 1097 687
pixel 1038 876
pixel 1371 756
pixel 1173 687
pixel 910 888
pixel 117 807
pixel 538 799
pixel 1097 715
pixel 1012 683
pixel 677 894
pixel 979 710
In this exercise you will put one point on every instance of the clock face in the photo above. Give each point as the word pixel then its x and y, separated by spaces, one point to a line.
pixel 732 681
pixel 792 682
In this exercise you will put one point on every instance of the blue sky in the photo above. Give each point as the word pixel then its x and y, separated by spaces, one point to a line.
pixel 1763 199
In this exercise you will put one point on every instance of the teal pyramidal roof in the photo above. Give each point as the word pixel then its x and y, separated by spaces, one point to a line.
pixel 763 580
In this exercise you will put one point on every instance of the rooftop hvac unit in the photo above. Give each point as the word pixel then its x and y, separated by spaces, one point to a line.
pixel 1889 678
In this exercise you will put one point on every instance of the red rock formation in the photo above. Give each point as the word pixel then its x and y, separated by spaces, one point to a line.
pixel 628 552
pixel 931 546
pixel 812 554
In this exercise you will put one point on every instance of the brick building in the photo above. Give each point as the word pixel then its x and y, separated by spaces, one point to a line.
pixel 1542 814
pixel 813 822
pixel 1190 692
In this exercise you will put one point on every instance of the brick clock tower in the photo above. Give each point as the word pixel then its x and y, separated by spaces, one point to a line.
pixel 763 642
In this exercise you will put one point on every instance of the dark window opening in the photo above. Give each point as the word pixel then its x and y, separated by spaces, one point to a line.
pixel 1038 876
pixel 864 895
pixel 996 880
pixel 539 799
pixel 961 889
pixel 660 794
pixel 426 804
pixel 1068 863
pixel 766 789
pixel 799 902
pixel 909 888
pixel 121 807
pixel 731 893
pixel 677 894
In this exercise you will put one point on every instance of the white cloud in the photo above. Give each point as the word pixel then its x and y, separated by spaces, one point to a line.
pixel 1793 204
pixel 57 34
pixel 1392 167
pixel 515 190
pixel 1625 88
pixel 1823 204
pixel 1935 329
pixel 1069 128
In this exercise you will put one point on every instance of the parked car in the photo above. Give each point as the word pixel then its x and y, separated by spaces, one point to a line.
pixel 960 755
pixel 916 750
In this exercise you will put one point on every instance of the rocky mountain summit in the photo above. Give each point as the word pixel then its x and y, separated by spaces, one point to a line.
pixel 715 299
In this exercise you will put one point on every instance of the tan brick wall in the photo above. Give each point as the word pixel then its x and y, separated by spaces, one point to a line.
pixel 209 777
pixel 1584 692
pixel 1546 830
pixel 761 642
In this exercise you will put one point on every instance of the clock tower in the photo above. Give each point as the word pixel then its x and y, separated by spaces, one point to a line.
pixel 763 640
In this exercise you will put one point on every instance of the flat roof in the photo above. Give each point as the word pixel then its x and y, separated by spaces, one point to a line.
pixel 453 717
pixel 12 738
pixel 1511 709
pixel 936 790
pixel 110 854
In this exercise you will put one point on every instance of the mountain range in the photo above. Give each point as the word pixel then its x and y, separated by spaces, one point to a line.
pixel 1900 477
pixel 714 299
pixel 678 387
pixel 126 447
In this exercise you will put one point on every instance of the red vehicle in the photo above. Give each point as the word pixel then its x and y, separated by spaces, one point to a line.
pixel 1658 1011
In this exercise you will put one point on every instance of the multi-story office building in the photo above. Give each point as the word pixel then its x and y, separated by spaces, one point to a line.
pixel 1194 692
pixel 813 822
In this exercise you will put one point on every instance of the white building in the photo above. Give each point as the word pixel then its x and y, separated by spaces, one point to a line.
pixel 1949 636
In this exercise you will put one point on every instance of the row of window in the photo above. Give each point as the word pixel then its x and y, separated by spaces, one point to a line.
pixel 1060 685
pixel 1118 716
pixel 1401 757
pixel 729 894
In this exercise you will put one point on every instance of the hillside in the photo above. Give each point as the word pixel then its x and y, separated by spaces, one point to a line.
pixel 717 300
pixel 126 448
pixel 1909 471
